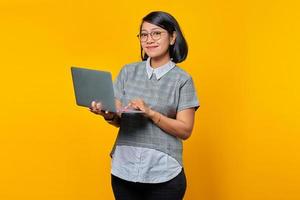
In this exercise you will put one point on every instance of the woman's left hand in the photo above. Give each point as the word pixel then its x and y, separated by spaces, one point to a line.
pixel 139 104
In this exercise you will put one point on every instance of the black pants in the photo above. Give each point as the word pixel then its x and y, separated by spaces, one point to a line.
pixel 173 189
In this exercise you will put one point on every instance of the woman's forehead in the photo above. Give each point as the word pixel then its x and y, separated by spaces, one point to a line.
pixel 146 26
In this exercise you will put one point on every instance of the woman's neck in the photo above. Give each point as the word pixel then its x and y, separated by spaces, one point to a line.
pixel 159 61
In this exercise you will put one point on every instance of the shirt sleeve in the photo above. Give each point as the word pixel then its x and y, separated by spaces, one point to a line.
pixel 187 96
pixel 118 84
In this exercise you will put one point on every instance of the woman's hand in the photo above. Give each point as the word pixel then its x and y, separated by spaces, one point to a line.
pixel 139 104
pixel 96 108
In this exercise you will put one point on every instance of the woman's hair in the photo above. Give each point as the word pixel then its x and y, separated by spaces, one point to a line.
pixel 179 50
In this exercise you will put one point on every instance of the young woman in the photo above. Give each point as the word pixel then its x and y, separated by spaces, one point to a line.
pixel 147 155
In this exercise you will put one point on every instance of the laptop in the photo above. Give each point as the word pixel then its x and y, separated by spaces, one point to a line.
pixel 95 85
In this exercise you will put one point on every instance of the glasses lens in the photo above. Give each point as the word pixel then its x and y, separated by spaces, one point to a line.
pixel 143 36
pixel 155 35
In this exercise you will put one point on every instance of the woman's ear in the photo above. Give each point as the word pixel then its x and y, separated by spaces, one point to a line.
pixel 173 38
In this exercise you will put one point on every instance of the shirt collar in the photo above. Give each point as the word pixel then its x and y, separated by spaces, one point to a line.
pixel 160 71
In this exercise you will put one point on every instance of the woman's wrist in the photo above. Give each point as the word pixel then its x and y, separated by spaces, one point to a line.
pixel 155 116
pixel 151 114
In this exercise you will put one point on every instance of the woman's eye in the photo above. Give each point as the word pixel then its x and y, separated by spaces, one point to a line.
pixel 144 34
pixel 156 33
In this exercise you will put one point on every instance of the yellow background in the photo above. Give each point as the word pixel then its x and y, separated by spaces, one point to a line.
pixel 244 58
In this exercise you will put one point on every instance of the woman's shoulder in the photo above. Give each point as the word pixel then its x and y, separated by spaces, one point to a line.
pixel 180 73
pixel 134 65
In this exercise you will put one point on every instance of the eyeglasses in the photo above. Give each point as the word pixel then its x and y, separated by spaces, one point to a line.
pixel 155 35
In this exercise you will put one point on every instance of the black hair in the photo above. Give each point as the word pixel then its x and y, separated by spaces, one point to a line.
pixel 179 50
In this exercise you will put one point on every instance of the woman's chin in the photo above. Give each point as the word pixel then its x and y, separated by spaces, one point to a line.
pixel 153 54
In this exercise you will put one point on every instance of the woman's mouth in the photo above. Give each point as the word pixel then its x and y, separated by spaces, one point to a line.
pixel 151 47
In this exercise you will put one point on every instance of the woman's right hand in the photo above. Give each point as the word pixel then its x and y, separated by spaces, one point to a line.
pixel 96 108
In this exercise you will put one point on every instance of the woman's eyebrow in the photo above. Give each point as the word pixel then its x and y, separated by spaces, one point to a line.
pixel 151 29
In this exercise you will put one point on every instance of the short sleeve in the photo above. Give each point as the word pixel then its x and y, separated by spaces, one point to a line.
pixel 118 84
pixel 187 96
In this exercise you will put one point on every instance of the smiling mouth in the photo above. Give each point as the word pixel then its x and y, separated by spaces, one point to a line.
pixel 152 47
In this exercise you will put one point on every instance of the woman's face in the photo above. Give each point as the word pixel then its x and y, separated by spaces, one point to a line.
pixel 155 40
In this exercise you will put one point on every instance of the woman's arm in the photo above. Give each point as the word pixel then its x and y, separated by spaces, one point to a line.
pixel 180 127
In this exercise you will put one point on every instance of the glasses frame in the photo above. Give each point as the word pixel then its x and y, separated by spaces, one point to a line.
pixel 151 35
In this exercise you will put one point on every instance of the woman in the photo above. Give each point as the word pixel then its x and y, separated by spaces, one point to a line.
pixel 147 155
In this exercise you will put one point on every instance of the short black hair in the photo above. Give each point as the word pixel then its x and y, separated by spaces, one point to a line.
pixel 179 50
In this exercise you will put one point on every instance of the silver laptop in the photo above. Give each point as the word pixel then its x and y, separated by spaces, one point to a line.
pixel 95 85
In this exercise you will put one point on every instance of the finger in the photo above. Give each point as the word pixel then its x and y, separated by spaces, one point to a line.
pixel 141 102
pixel 92 110
pixel 135 106
pixel 128 105
pixel 135 101
pixel 98 106
pixel 93 104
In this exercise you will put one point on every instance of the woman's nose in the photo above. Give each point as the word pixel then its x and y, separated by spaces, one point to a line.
pixel 149 40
